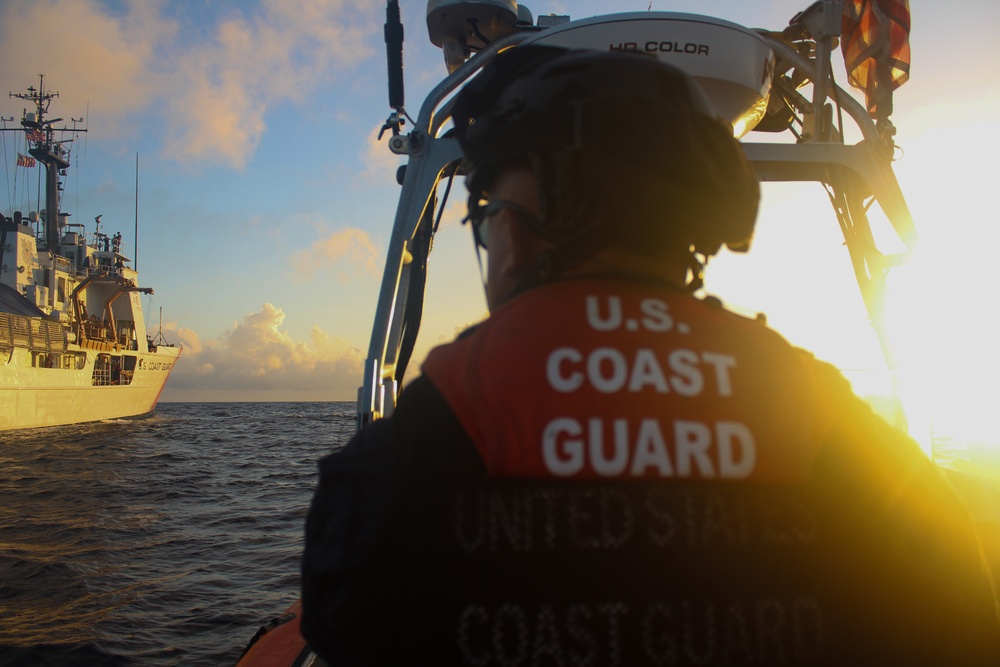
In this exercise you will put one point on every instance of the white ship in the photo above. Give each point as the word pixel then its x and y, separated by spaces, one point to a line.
pixel 73 341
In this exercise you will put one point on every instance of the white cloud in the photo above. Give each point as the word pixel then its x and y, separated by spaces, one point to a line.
pixel 278 52
pixel 94 58
pixel 257 361
pixel 351 250
pixel 212 92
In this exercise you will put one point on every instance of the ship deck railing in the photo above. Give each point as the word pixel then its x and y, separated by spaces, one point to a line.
pixel 34 333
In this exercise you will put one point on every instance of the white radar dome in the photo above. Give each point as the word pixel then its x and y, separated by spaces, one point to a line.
pixel 470 21
pixel 732 64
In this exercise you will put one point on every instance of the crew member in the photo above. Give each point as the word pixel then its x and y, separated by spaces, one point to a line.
pixel 609 470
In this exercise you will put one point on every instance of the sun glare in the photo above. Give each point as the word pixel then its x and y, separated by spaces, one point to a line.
pixel 940 325
pixel 944 339
pixel 940 315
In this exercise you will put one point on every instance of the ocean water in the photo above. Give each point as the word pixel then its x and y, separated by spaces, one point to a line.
pixel 162 541
pixel 171 540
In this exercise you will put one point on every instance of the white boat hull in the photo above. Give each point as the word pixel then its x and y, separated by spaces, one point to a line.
pixel 32 397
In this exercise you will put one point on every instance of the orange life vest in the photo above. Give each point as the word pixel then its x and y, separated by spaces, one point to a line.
pixel 597 380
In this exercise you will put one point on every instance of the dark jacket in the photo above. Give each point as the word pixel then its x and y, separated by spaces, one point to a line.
pixel 585 518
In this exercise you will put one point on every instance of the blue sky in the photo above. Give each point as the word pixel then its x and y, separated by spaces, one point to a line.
pixel 265 202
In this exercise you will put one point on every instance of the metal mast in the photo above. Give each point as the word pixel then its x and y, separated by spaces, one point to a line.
pixel 51 153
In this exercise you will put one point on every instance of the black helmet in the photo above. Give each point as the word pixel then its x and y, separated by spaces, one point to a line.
pixel 626 150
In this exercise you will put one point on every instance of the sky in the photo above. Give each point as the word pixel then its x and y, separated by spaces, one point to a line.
pixel 265 201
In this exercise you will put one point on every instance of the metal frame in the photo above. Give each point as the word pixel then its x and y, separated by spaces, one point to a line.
pixel 855 175
pixel 429 156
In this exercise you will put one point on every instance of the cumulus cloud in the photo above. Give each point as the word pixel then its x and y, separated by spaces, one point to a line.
pixel 91 56
pixel 256 360
pixel 213 88
pixel 349 248
pixel 279 52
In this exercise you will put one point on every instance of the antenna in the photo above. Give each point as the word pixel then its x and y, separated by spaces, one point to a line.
pixel 394 53
pixel 135 240
pixel 394 63
pixel 40 133
pixel 85 142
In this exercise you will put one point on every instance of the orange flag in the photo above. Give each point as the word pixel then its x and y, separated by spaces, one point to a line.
pixel 875 36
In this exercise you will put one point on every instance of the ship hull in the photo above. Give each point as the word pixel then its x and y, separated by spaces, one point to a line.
pixel 32 397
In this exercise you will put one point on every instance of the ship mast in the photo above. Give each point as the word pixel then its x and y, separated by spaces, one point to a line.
pixel 51 153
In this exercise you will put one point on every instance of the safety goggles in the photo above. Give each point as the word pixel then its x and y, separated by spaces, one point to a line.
pixel 480 212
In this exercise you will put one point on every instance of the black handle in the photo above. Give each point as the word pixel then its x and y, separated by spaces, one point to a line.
pixel 394 53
